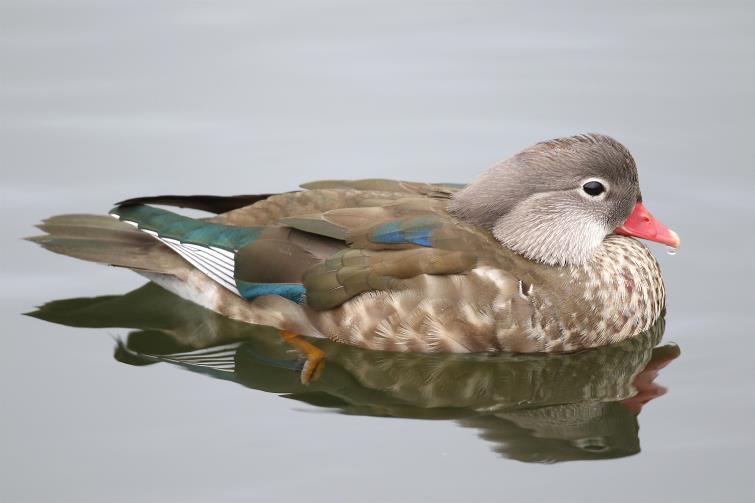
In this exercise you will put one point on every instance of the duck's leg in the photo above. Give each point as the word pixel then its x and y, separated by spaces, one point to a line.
pixel 315 357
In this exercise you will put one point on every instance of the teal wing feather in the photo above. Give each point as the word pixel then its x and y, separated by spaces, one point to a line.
pixel 416 231
pixel 170 225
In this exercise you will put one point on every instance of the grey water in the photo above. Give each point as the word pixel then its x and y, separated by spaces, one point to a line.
pixel 100 101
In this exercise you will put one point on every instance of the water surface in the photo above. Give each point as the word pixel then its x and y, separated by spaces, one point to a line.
pixel 105 100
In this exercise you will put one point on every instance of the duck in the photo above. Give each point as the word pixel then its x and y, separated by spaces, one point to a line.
pixel 524 404
pixel 539 254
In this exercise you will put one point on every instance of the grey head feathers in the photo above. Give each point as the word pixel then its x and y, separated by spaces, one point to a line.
pixel 536 203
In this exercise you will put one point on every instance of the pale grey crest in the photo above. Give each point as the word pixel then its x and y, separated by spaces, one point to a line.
pixel 534 203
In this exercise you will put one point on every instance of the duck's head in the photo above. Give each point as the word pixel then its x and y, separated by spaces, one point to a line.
pixel 556 201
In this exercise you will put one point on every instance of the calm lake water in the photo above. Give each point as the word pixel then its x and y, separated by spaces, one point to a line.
pixel 105 100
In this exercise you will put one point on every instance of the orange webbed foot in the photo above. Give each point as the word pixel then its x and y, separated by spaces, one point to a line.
pixel 314 363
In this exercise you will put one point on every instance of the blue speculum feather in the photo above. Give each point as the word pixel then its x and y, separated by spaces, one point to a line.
pixel 416 231
pixel 188 230
pixel 291 291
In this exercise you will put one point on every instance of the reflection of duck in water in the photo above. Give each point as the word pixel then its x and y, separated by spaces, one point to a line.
pixel 534 256
pixel 533 407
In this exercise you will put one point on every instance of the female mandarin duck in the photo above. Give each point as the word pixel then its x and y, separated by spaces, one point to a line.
pixel 536 255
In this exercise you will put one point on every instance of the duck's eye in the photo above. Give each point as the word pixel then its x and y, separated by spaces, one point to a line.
pixel 594 188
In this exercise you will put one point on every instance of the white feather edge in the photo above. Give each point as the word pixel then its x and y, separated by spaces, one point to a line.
pixel 218 357
pixel 216 263
pixel 222 358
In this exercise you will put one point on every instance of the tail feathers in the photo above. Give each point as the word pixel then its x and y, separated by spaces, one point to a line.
pixel 105 240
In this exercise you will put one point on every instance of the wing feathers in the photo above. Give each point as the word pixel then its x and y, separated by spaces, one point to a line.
pixel 207 246
pixel 352 272
pixel 386 246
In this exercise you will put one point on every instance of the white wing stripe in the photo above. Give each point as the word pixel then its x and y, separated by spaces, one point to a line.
pixel 217 263
pixel 208 267
pixel 221 251
pixel 219 259
pixel 220 269
pixel 176 246
pixel 181 249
